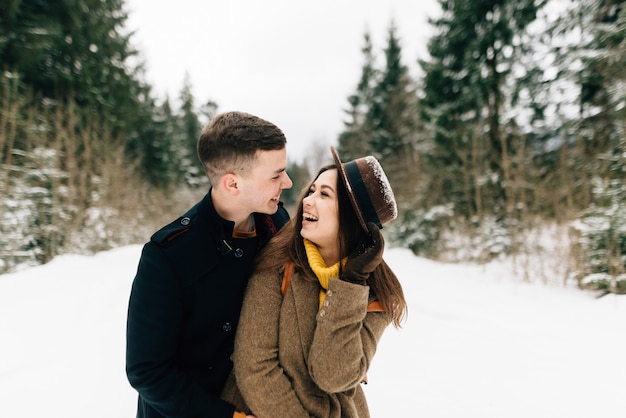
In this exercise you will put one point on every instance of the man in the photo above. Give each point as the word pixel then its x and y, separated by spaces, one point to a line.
pixel 186 297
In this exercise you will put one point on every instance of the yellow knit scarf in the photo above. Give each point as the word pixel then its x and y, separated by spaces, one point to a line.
pixel 323 273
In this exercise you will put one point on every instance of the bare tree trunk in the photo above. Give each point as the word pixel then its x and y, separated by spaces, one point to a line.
pixel 9 114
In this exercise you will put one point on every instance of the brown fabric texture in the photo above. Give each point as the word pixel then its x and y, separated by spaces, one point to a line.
pixel 368 189
pixel 384 209
pixel 292 360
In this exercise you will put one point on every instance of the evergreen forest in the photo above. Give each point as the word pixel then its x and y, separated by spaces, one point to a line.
pixel 510 143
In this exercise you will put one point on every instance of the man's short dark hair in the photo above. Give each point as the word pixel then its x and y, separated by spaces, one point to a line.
pixel 230 142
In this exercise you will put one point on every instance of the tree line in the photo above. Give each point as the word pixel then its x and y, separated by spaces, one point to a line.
pixel 513 126
pixel 89 158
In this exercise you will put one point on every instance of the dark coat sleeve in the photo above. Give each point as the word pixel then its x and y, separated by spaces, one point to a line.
pixel 155 316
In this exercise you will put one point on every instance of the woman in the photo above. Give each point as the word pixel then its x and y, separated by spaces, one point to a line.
pixel 303 351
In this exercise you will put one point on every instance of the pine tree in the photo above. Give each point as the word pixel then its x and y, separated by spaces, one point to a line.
pixel 79 131
pixel 473 132
pixel 79 52
pixel 190 128
pixel 354 141
pixel 161 161
pixel 601 125
pixel 383 116
pixel 68 53
pixel 389 101
pixel 394 121
pixel 603 91
pixel 384 121
pixel 602 242
pixel 587 40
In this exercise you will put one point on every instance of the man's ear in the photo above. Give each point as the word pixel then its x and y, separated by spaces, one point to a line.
pixel 229 183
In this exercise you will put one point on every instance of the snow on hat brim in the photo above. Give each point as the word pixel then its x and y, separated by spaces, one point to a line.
pixel 368 189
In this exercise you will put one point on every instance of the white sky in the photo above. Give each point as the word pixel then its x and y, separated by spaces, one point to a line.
pixel 293 63
pixel 478 343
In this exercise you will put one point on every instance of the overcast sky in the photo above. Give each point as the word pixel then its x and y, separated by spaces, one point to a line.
pixel 293 63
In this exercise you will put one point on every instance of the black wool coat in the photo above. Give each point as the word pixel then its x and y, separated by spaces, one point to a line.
pixel 184 310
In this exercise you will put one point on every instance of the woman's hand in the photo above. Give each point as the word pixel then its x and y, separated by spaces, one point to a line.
pixel 365 258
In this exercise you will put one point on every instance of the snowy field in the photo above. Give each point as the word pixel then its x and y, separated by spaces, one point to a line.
pixel 478 343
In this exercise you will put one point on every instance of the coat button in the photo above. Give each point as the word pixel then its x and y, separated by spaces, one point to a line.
pixel 322 313
pixel 185 221
pixel 227 327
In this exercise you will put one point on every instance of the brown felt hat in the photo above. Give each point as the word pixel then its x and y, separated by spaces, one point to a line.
pixel 368 189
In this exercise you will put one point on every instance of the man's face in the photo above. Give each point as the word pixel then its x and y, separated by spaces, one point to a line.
pixel 261 187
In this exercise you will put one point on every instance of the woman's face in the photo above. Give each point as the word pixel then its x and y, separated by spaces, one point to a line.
pixel 320 215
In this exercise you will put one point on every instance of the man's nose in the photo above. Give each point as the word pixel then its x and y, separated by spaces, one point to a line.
pixel 288 183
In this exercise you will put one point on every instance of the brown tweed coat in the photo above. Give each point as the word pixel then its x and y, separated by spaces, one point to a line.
pixel 292 360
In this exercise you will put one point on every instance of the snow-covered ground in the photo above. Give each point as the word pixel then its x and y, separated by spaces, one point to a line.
pixel 478 343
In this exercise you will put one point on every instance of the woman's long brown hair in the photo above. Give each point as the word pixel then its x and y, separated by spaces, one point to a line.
pixel 288 246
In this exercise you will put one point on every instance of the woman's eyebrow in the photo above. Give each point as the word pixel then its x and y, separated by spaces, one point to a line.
pixel 325 186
